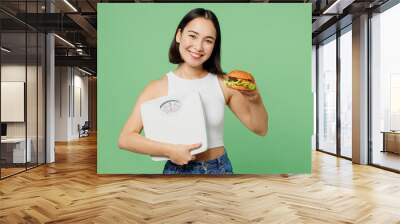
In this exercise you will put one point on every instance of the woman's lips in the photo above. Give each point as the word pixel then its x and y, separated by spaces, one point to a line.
pixel 195 55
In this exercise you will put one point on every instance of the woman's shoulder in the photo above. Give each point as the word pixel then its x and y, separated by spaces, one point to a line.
pixel 158 83
pixel 156 88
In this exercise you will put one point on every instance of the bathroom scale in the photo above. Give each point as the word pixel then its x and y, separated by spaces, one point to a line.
pixel 176 119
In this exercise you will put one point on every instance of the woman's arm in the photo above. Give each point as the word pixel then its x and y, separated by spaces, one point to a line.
pixel 248 106
pixel 130 138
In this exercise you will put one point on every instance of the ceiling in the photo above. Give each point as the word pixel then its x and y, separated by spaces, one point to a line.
pixel 76 22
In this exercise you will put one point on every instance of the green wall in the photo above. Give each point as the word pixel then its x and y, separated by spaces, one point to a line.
pixel 273 41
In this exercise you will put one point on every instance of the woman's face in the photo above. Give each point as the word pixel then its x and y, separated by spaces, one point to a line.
pixel 196 42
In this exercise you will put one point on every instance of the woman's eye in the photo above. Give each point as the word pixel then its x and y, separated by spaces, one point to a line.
pixel 192 36
pixel 209 41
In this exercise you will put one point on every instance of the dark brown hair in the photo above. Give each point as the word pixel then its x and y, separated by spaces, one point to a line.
pixel 213 64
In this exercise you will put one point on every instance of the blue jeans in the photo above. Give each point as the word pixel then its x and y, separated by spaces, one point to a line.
pixel 220 165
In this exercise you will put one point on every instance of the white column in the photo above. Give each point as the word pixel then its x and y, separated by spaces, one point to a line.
pixel 50 91
pixel 360 90
pixel 50 110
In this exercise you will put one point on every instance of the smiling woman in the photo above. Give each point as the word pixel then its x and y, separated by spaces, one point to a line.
pixel 197 41
pixel 196 49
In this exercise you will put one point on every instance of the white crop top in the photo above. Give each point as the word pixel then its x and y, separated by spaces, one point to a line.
pixel 213 101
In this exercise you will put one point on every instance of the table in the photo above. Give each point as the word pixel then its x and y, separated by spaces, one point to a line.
pixel 18 149
pixel 391 141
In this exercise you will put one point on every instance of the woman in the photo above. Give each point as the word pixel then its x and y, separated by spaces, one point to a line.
pixel 196 48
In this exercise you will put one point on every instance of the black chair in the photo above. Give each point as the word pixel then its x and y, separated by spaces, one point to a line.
pixel 84 130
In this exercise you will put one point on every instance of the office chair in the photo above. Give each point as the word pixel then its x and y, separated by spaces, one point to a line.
pixel 84 130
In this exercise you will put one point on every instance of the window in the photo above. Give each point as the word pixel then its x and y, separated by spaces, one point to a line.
pixel 327 95
pixel 346 93
pixel 385 87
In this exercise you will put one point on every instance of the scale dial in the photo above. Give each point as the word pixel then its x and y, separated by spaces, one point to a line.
pixel 170 106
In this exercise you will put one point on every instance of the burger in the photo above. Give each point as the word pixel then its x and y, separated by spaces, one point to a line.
pixel 240 80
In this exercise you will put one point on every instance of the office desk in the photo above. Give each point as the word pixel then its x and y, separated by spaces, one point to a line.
pixel 17 150
pixel 391 141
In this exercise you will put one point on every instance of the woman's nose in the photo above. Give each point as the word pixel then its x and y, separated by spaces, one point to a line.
pixel 198 46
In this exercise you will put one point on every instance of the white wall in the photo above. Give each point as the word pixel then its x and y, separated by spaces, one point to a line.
pixel 15 72
pixel 79 117
pixel 62 80
pixel 70 83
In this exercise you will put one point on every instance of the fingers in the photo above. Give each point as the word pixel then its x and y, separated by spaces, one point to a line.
pixel 194 146
pixel 250 95
pixel 184 156
pixel 247 92
pixel 181 163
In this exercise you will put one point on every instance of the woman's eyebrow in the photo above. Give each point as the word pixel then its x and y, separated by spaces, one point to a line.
pixel 198 34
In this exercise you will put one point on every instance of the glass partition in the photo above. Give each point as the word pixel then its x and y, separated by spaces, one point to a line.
pixel 13 108
pixel 22 79
pixel 327 95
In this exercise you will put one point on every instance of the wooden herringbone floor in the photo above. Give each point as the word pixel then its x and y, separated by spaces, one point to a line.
pixel 70 191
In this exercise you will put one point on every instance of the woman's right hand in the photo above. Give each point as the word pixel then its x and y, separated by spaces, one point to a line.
pixel 181 154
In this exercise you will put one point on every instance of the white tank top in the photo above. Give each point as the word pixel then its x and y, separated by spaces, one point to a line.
pixel 213 101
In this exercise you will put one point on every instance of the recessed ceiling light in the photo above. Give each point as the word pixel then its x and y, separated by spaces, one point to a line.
pixel 337 7
pixel 84 71
pixel 64 40
pixel 5 50
pixel 70 5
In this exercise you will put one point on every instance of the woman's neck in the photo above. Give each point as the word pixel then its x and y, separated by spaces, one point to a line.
pixel 188 72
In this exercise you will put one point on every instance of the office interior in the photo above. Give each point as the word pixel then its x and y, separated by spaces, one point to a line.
pixel 48 80
pixel 49 75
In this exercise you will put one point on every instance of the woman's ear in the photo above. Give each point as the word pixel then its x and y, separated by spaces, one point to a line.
pixel 178 36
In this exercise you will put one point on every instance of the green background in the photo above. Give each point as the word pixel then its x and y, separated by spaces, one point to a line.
pixel 272 41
